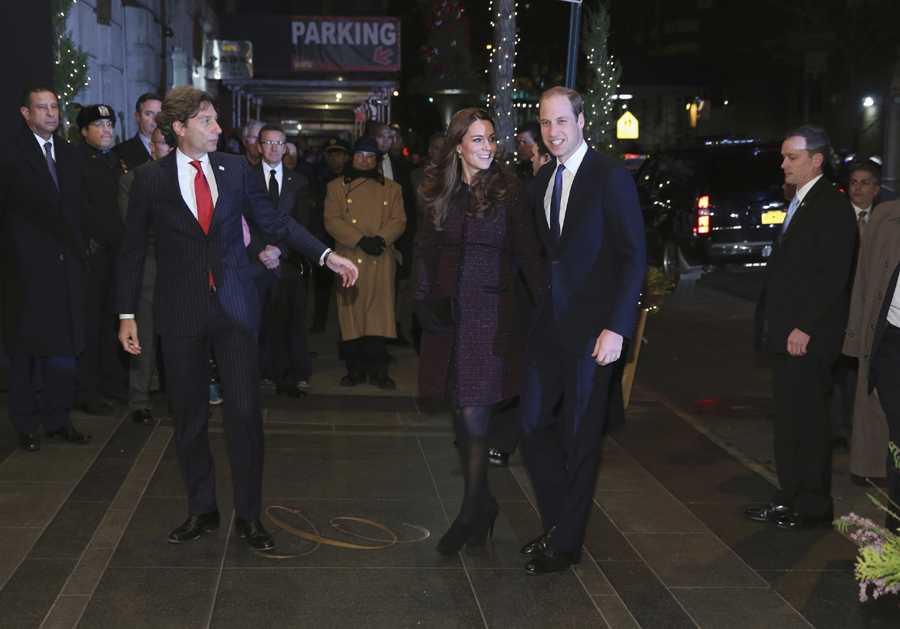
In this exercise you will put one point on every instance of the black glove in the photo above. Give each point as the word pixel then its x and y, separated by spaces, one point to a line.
pixel 372 245
pixel 426 318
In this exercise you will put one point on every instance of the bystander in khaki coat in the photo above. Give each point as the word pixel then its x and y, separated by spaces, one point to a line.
pixel 878 257
pixel 357 208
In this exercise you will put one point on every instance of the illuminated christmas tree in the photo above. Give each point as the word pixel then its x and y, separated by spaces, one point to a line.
pixel 70 72
pixel 599 101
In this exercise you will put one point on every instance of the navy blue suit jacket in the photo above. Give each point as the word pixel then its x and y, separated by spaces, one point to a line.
pixel 185 254
pixel 595 274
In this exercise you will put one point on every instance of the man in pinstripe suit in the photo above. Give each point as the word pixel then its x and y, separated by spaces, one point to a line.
pixel 205 296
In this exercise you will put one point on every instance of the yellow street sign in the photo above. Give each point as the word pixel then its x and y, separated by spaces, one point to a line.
pixel 627 127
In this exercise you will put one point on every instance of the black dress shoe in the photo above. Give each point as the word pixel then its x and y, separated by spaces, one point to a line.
pixel 142 416
pixel 29 441
pixel 383 382
pixel 68 433
pixel 767 513
pixel 299 389
pixel 97 407
pixel 553 560
pixel 195 526
pixel 353 379
pixel 256 534
pixel 539 544
pixel 497 458
pixel 793 521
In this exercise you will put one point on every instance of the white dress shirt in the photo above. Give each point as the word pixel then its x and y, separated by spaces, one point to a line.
pixel 893 315
pixel 279 174
pixel 186 176
pixel 802 192
pixel 860 210
pixel 42 142
pixel 568 177
pixel 146 142
pixel 386 169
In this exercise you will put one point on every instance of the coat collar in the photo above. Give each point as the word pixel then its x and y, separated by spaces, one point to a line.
pixel 804 204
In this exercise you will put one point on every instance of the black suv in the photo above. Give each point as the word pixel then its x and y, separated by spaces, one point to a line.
pixel 719 200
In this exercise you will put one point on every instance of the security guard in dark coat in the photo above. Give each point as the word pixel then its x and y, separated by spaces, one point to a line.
pixel 41 271
pixel 101 370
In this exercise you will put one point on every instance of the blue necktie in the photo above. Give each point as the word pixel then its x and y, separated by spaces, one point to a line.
pixel 556 202
pixel 790 214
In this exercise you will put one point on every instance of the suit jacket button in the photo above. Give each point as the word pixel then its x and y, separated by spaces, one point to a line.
pixel 353 220
pixel 871 327
pixel 359 261
pixel 61 257
pixel 349 200
pixel 850 335
pixel 879 295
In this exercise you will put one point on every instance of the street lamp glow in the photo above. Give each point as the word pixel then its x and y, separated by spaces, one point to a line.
pixel 868 102
pixel 339 96
pixel 430 100
pixel 625 96
pixel 396 93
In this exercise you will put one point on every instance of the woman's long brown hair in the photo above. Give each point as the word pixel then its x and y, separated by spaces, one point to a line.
pixel 443 180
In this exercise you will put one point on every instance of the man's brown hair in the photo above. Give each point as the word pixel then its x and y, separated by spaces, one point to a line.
pixel 573 96
pixel 180 105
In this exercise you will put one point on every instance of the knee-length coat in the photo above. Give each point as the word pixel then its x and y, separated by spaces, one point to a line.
pixel 471 258
pixel 357 208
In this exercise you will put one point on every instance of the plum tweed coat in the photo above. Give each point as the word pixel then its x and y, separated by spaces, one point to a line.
pixel 471 258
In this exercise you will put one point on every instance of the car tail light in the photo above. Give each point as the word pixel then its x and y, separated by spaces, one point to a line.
pixel 702 226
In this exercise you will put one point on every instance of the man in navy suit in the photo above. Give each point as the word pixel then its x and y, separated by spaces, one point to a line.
pixel 589 220
pixel 205 296
pixel 284 354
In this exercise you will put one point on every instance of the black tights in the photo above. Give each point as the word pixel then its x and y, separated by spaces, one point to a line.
pixel 470 425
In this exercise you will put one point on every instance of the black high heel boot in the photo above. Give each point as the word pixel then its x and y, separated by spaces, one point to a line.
pixel 453 540
pixel 484 526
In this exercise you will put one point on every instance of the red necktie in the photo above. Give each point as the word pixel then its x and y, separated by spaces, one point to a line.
pixel 204 204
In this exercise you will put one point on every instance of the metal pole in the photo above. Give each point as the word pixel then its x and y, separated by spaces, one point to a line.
pixel 259 108
pixel 574 27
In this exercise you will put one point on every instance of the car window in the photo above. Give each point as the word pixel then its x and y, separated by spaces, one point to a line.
pixel 746 172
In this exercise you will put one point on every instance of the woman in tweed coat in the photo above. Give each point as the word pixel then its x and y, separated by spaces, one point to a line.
pixel 477 217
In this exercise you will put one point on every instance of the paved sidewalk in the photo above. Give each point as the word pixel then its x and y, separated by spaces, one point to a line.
pixel 85 531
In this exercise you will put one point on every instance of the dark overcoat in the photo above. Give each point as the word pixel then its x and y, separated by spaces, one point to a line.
pixel 471 258
pixel 42 250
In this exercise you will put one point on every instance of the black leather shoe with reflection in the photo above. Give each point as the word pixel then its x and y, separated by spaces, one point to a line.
pixel 793 521
pixel 353 379
pixel 142 416
pixel 383 382
pixel 497 458
pixel 767 513
pixel 68 433
pixel 258 538
pixel 539 544
pixel 29 441
pixel 195 526
pixel 553 560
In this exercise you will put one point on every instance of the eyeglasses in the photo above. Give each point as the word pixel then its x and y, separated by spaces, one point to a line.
pixel 104 124
pixel 161 142
pixel 272 143
pixel 252 138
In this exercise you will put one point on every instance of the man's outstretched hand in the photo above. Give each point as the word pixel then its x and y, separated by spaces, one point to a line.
pixel 342 266
pixel 128 336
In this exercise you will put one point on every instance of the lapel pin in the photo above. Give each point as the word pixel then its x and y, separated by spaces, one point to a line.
pixel 221 168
